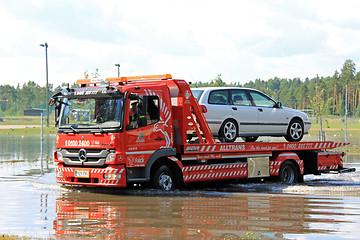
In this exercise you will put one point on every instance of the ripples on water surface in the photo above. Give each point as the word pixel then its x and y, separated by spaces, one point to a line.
pixel 324 207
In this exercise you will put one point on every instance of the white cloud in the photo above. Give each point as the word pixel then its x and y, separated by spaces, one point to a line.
pixel 333 10
pixel 343 41
pixel 243 40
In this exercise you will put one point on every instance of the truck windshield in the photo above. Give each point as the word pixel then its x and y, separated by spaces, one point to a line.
pixel 84 113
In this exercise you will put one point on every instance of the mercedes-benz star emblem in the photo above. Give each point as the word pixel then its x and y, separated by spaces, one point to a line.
pixel 82 155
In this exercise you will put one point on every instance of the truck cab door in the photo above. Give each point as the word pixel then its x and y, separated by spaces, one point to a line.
pixel 150 132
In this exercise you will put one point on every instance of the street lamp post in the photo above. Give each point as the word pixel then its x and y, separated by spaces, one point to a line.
pixel 47 84
pixel 118 66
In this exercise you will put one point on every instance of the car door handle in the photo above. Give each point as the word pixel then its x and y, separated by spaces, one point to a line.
pixel 260 109
pixel 159 139
pixel 234 108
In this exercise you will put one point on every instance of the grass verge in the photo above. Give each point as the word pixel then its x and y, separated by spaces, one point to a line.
pixel 28 130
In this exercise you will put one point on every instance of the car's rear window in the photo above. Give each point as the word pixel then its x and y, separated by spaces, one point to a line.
pixel 197 93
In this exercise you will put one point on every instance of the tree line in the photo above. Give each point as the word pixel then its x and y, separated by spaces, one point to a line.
pixel 13 100
pixel 326 95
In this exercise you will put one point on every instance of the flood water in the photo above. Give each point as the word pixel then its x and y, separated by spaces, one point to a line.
pixel 32 204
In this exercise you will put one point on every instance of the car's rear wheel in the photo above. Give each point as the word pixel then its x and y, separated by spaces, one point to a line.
pixel 250 139
pixel 295 131
pixel 229 131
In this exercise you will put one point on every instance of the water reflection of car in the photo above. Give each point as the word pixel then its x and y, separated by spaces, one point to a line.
pixel 249 113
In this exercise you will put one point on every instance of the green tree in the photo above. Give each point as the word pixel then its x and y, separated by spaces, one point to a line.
pixel 217 81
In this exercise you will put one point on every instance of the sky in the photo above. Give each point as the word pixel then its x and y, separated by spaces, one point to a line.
pixel 243 40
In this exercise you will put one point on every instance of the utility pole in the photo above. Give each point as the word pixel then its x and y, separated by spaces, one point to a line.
pixel 47 84
pixel 346 112
pixel 118 66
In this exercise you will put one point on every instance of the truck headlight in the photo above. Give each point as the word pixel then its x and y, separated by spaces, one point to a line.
pixel 110 157
pixel 59 156
pixel 112 176
pixel 59 174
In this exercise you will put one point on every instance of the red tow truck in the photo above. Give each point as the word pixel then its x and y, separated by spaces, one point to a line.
pixel 127 131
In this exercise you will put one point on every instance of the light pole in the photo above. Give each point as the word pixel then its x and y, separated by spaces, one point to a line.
pixel 118 66
pixel 47 84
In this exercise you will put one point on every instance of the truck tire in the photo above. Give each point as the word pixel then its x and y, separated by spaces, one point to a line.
pixel 295 131
pixel 250 139
pixel 229 131
pixel 288 173
pixel 164 179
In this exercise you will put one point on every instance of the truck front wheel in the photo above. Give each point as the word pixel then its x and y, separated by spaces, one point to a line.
pixel 288 173
pixel 164 179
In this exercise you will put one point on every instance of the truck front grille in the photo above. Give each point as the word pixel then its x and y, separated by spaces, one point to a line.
pixel 84 157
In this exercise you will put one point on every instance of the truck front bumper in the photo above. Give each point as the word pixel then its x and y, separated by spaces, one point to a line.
pixel 111 176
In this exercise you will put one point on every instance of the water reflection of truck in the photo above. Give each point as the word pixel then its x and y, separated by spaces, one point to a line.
pixel 189 217
pixel 124 146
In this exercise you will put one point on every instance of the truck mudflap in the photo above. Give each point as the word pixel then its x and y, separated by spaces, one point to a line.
pixel 345 170
pixel 111 176
pixel 341 170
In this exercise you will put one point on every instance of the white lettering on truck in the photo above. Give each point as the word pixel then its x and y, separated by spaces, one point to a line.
pixel 232 147
pixel 77 143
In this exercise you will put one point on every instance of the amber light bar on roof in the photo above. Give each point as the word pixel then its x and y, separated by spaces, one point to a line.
pixel 126 79
pixel 85 81
pixel 140 78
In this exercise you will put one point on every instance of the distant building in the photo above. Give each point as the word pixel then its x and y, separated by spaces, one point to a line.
pixel 34 112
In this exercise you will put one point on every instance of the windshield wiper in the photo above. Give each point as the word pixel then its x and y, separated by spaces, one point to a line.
pixel 101 129
pixel 73 128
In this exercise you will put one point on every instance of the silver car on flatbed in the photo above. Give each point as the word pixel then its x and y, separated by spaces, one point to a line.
pixel 249 113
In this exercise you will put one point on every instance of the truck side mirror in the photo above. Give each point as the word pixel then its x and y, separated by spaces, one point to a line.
pixel 52 101
pixel 57 114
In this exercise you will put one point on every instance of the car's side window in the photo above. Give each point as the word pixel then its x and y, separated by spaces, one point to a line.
pixel 240 98
pixel 261 100
pixel 220 97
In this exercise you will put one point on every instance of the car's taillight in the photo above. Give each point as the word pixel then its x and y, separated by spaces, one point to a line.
pixel 203 108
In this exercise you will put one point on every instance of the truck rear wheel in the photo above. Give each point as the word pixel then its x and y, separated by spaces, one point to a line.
pixel 164 179
pixel 288 173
